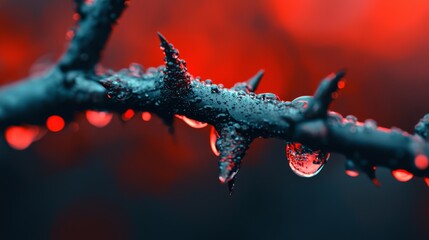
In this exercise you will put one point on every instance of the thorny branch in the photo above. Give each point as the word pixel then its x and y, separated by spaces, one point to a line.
pixel 238 114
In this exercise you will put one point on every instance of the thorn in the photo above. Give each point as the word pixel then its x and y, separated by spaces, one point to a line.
pixel 325 93
pixel 254 81
pixel 176 73
pixel 164 42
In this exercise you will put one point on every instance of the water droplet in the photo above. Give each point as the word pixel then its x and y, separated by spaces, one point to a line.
pixel 402 175
pixel 146 116
pixel 214 135
pixel 98 119
pixel 21 137
pixel 370 124
pixel 304 161
pixel 191 122
pixel 421 161
pixel 55 123
pixel 136 70
pixel 351 119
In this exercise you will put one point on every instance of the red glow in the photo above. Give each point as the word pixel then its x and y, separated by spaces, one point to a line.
pixel 376 182
pixel 191 122
pixel 402 175
pixel 98 119
pixel 426 181
pixel 127 115
pixel 146 116
pixel 69 34
pixel 352 173
pixel 55 123
pixel 214 135
pixel 341 84
pixel 21 137
pixel 421 161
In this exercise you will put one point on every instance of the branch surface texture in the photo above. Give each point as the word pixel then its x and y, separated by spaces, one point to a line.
pixel 238 115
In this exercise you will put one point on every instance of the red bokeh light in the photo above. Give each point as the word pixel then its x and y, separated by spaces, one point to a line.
pixel 21 137
pixel 127 115
pixel 98 119
pixel 421 161
pixel 55 123
pixel 146 116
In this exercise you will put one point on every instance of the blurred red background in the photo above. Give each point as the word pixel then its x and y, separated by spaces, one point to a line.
pixel 383 44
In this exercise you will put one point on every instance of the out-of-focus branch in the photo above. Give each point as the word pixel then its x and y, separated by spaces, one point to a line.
pixel 238 114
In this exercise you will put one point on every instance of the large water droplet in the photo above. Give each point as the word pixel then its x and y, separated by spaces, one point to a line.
pixel 402 175
pixel 213 139
pixel 191 122
pixel 304 161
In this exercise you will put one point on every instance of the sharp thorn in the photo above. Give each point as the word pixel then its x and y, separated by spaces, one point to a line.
pixel 255 80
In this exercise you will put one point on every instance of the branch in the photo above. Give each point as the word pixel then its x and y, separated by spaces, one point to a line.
pixel 238 114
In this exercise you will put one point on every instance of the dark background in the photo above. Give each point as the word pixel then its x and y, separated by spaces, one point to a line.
pixel 135 181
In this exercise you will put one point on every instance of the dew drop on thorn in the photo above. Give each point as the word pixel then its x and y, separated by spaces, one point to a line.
pixel 213 139
pixel 21 137
pixel 55 123
pixel 402 175
pixel 191 122
pixel 304 161
pixel 98 119
pixel 146 116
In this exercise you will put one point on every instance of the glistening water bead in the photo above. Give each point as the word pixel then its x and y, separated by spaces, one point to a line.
pixel 304 161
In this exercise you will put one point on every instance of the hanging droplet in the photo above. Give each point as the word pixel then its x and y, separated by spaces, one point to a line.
pixel 21 137
pixel 421 161
pixel 402 175
pixel 304 161
pixel 191 122
pixel 351 169
pixel 214 135
pixel 146 116
pixel 98 119
pixel 127 115
pixel 55 123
